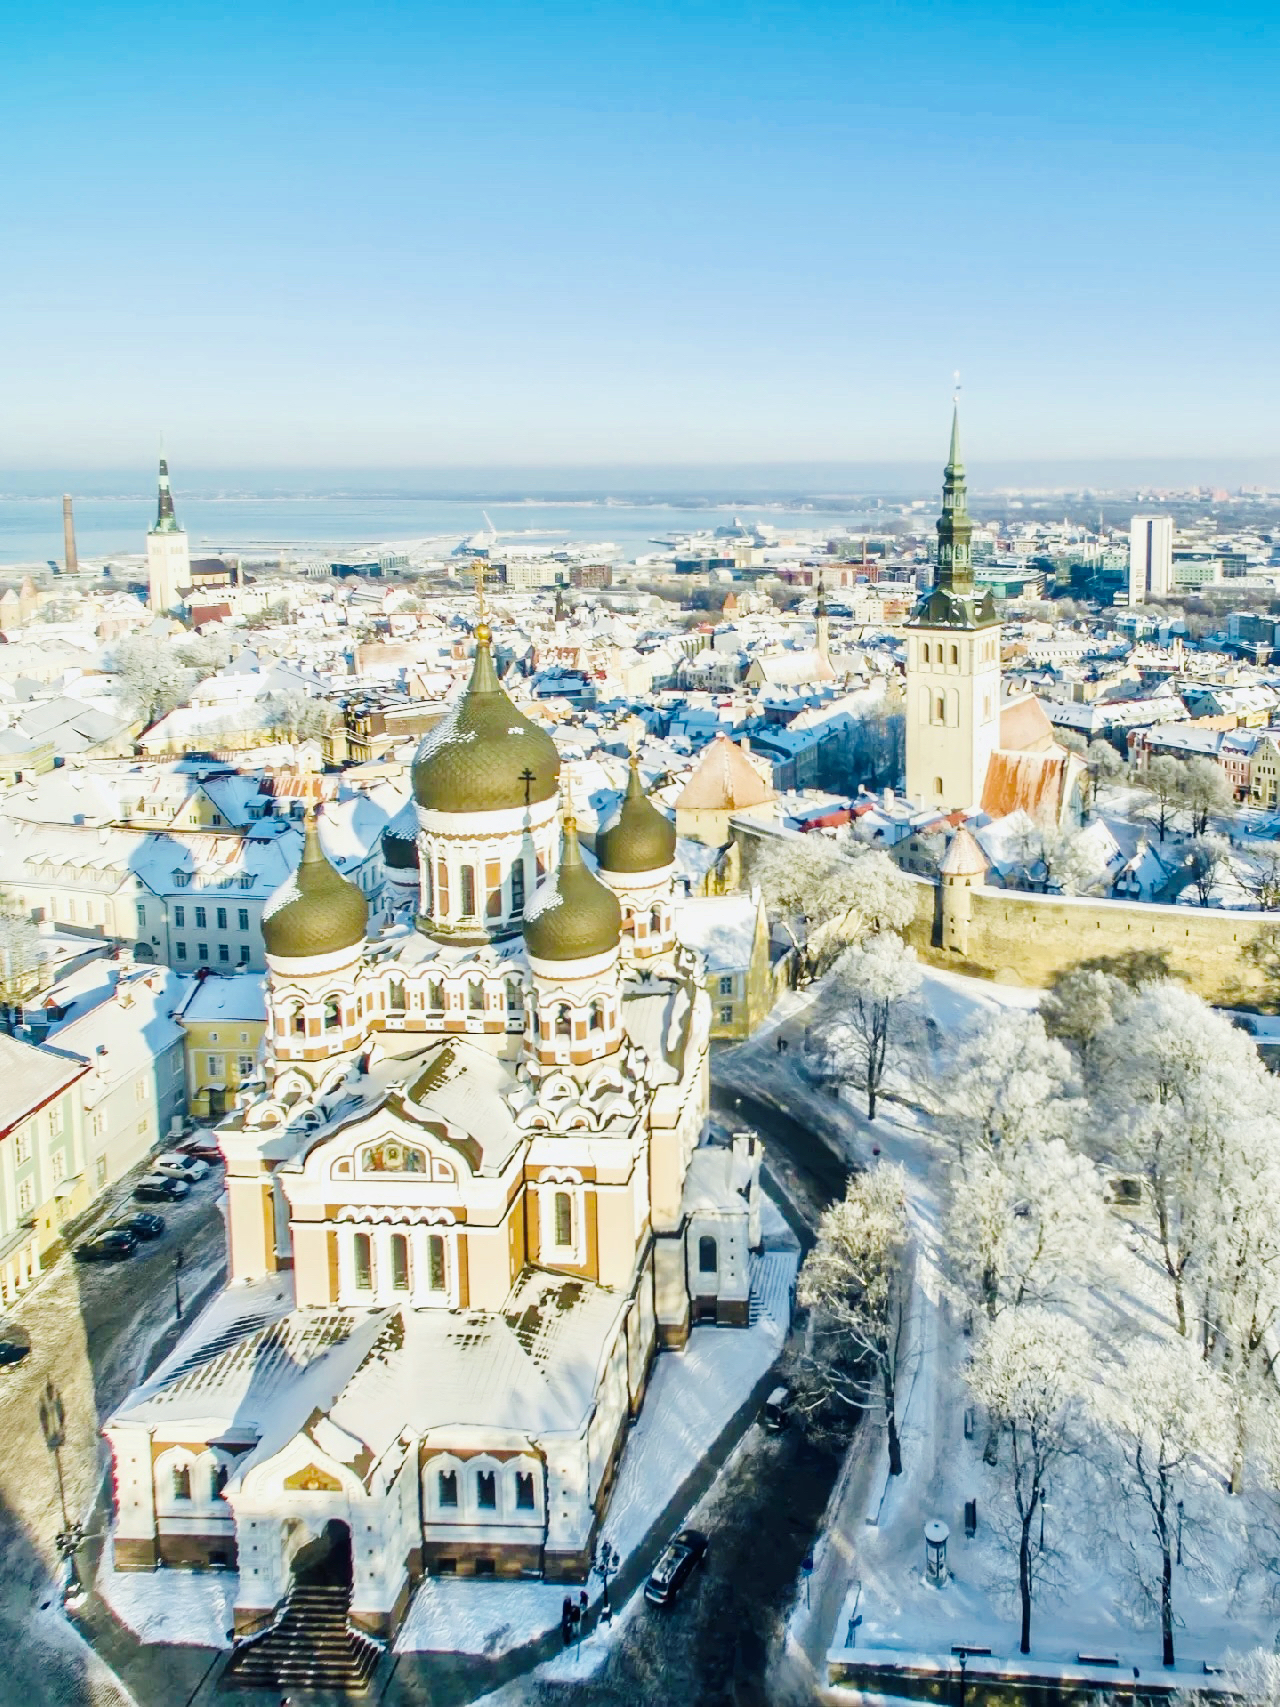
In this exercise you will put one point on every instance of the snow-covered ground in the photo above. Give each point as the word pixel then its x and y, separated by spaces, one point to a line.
pixel 693 1396
pixel 184 1608
pixel 873 1558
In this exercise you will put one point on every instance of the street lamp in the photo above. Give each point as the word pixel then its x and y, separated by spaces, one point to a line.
pixel 177 1284
pixel 53 1425
pixel 607 1561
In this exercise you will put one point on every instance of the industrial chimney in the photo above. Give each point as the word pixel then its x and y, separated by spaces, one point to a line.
pixel 69 535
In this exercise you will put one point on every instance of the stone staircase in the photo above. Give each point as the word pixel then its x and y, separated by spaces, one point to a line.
pixel 310 1646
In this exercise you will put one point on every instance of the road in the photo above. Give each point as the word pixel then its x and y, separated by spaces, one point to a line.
pixel 93 1328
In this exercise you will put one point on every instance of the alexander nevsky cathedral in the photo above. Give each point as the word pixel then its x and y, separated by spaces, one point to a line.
pixel 462 1215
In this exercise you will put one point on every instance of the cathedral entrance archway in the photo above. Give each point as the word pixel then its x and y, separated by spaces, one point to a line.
pixel 326 1561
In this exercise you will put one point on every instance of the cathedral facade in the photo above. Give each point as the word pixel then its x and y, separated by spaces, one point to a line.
pixel 465 1209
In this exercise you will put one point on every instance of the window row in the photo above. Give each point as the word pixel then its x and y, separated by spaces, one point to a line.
pixel 202 917
pixel 386 1263
pixel 469 883
pixel 223 956
pixel 485 1489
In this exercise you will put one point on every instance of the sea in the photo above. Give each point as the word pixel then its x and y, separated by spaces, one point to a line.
pixel 345 527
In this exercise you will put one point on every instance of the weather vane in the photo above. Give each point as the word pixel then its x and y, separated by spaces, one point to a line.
pixel 955 395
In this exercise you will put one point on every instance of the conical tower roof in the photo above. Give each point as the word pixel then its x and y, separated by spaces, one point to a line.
pixel 640 838
pixel 166 521
pixel 572 916
pixel 484 755
pixel 315 910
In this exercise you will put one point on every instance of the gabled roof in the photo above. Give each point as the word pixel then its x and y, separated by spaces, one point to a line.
pixel 724 779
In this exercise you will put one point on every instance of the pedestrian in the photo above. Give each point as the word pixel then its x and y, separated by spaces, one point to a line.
pixel 566 1621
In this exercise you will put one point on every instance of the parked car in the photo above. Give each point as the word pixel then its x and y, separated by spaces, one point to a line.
pixel 13 1351
pixel 777 1408
pixel 680 1557
pixel 145 1224
pixel 178 1166
pixel 112 1244
pixel 160 1188
pixel 202 1145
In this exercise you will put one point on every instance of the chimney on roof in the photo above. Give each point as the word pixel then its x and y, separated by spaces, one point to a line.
pixel 69 535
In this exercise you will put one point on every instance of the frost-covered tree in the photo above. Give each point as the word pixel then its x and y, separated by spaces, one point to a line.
pixel 1009 1082
pixel 1030 1370
pixel 856 1282
pixel 1172 1078
pixel 22 958
pixel 1023 1223
pixel 1079 1007
pixel 153 678
pixel 297 717
pixel 827 896
pixel 872 1005
pixel 1208 859
pixel 1161 781
pixel 1205 790
pixel 1261 878
pixel 1163 1407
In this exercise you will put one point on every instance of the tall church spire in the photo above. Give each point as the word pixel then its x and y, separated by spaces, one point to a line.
pixel 955 530
pixel 166 521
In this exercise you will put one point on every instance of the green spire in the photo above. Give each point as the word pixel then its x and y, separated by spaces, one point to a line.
pixel 955 530
pixel 166 521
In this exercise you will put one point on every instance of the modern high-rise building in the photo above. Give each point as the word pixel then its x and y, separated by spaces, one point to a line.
pixel 1150 558
pixel 953 665
pixel 168 556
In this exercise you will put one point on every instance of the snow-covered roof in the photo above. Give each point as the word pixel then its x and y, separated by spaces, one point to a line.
pixel 723 927
pixel 31 1077
pixel 227 996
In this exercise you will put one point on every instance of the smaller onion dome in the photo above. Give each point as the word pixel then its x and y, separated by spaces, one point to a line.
pixel 400 840
pixel 315 910
pixel 640 838
pixel 572 916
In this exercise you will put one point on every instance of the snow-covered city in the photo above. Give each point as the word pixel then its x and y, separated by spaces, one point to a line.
pixel 639 855
pixel 566 1132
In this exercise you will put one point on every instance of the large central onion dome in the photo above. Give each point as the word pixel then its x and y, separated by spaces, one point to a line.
pixel 484 756
pixel 640 838
pixel 315 910
pixel 572 916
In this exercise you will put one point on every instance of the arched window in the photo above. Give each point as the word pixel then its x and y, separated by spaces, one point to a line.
pixel 487 1490
pixel 955 654
pixel 182 1481
pixel 925 651
pixel 517 886
pixel 475 995
pixel 524 1491
pixel 426 886
pixel 399 1263
pixel 332 1013
pixel 707 1259
pixel 564 1025
pixel 395 995
pixel 362 1252
pixel 218 1481
pixel 436 1279
pixel 435 995
pixel 939 709
pixel 564 1218
pixel 515 1001
pixel 596 1020
pixel 937 785
pixel 655 922
pixel 448 1485
pixel 468 891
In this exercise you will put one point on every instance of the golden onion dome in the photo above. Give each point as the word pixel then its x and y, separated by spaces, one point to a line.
pixel 484 755
pixel 315 910
pixel 640 838
pixel 573 916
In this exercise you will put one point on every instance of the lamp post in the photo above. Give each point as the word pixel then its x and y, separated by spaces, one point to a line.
pixel 607 1561
pixel 53 1425
pixel 177 1284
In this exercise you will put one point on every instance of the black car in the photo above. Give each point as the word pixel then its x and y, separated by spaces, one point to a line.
pixel 159 1188
pixel 113 1244
pixel 144 1225
pixel 673 1570
pixel 13 1351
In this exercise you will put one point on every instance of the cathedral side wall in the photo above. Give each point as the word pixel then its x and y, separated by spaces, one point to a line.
pixel 1019 938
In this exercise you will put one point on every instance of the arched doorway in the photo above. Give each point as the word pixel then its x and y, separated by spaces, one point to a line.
pixel 326 1561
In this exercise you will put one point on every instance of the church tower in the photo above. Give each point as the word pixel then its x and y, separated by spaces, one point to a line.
pixel 953 664
pixel 168 558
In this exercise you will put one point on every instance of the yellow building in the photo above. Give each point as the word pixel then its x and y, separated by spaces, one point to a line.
pixel 224 1019
pixel 42 1176
pixel 742 979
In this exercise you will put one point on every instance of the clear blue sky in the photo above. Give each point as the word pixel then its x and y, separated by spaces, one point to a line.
pixel 425 234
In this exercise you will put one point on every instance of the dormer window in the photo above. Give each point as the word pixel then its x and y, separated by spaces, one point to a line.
pixel 182 880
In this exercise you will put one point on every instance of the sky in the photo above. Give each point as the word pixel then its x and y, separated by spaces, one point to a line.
pixel 426 235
